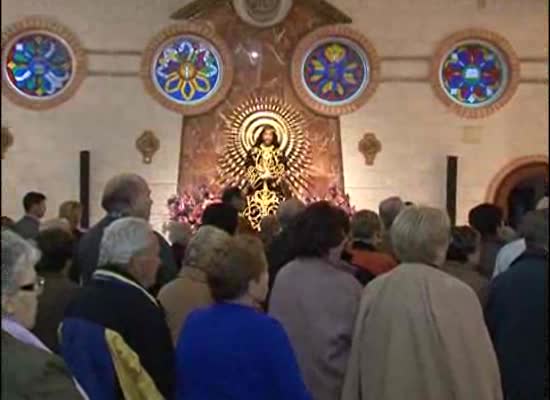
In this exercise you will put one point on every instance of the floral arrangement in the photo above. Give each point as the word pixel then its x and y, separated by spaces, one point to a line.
pixel 334 196
pixel 189 206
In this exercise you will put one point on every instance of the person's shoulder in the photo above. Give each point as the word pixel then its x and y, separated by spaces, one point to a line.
pixel 181 287
pixel 17 355
pixel 288 270
pixel 94 233
pixel 201 317
pixel 526 265
pixel 162 240
pixel 268 327
pixel 427 273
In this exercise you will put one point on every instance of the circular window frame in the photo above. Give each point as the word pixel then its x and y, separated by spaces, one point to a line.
pixel 323 35
pixel 32 25
pixel 201 32
pixel 502 48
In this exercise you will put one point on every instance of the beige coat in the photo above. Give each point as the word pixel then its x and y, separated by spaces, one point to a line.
pixel 471 277
pixel 183 295
pixel 420 335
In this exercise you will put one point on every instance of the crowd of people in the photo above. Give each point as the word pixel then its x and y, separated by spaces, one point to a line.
pixel 320 305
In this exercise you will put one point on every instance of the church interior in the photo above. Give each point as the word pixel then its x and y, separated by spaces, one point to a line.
pixel 390 132
pixel 275 199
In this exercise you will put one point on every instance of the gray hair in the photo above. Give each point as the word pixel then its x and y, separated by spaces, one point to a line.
pixel 288 210
pixel 121 191
pixel 542 203
pixel 389 209
pixel 534 227
pixel 124 239
pixel 207 249
pixel 179 232
pixel 17 255
pixel 421 235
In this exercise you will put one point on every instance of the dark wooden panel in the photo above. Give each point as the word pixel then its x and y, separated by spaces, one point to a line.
pixel 452 172
pixel 85 188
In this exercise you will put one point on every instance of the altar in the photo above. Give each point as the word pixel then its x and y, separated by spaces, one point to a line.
pixel 181 91
pixel 261 107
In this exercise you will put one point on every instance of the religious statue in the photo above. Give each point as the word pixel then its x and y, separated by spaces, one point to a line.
pixel 265 162
pixel 266 154
pixel 265 170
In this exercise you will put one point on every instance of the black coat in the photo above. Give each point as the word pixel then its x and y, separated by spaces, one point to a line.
pixel 114 301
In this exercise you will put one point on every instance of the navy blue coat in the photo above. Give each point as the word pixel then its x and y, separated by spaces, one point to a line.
pixel 516 315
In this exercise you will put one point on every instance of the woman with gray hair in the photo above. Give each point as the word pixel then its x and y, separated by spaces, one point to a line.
pixel 189 291
pixel 29 369
pixel 420 333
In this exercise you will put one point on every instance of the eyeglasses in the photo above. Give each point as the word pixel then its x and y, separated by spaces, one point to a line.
pixel 37 286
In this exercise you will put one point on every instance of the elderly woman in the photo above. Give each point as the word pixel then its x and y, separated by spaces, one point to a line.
pixel 189 291
pixel 463 259
pixel 315 297
pixel 29 369
pixel 231 350
pixel 419 333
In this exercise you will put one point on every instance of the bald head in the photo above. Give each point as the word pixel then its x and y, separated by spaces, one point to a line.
pixel 288 210
pixel 389 209
pixel 128 194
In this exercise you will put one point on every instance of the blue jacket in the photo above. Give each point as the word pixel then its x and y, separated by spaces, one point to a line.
pixel 229 351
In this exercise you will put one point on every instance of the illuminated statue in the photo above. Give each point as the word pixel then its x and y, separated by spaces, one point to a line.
pixel 265 162
pixel 265 170
pixel 266 154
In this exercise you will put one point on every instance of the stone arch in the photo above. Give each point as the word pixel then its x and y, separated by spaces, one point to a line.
pixel 511 175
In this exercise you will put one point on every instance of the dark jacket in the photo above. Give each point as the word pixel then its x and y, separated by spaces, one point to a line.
pixel 489 251
pixel 29 373
pixel 87 255
pixel 58 293
pixel 279 253
pixel 516 315
pixel 27 227
pixel 115 312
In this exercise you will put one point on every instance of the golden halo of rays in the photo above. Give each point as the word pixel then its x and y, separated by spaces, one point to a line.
pixel 243 126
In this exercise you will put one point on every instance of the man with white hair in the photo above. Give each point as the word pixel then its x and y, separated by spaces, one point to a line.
pixel 115 327
pixel 125 195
